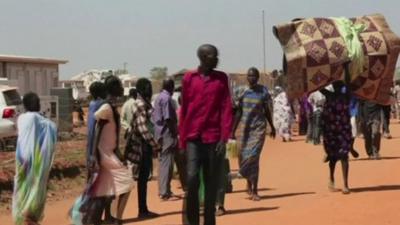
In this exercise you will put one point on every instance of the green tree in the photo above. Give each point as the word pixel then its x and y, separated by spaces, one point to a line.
pixel 158 73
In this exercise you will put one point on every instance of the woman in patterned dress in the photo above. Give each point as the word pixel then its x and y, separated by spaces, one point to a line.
pixel 305 111
pixel 34 156
pixel 253 113
pixel 337 130
pixel 283 114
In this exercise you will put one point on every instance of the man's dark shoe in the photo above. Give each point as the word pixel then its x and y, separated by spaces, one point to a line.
pixel 147 215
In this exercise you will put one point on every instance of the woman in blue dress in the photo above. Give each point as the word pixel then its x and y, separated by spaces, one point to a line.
pixel 253 113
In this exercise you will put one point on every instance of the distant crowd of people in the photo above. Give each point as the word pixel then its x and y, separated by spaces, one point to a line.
pixel 192 134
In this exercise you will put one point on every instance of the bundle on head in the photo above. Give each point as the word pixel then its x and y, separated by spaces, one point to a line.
pixel 316 49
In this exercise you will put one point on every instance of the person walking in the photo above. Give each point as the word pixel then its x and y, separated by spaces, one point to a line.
pixel 396 94
pixel 386 111
pixel 111 176
pixel 254 114
pixel 166 133
pixel 305 115
pixel 141 144
pixel 371 119
pixel 34 156
pixel 317 100
pixel 336 127
pixel 283 114
pixel 98 92
pixel 354 108
pixel 205 127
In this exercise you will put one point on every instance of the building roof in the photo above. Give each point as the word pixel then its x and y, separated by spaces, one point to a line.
pixel 27 59
pixel 71 81
pixel 6 87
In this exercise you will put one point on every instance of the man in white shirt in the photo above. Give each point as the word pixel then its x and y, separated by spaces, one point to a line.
pixel 127 110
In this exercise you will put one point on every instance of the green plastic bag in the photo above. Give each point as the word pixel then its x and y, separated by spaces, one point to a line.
pixel 202 189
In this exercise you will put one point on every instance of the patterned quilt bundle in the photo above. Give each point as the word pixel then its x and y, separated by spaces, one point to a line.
pixel 315 50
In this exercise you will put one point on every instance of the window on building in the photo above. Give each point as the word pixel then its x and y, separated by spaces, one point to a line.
pixel 53 109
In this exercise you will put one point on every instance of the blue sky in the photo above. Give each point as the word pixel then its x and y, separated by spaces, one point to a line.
pixel 146 33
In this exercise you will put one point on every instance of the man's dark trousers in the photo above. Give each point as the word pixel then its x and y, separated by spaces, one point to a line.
pixel 200 155
pixel 144 173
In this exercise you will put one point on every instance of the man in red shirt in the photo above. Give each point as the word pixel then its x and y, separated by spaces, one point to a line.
pixel 205 126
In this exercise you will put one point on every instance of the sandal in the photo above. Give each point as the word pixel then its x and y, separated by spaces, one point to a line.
pixel 220 212
pixel 331 186
pixel 346 191
pixel 249 192
pixel 256 198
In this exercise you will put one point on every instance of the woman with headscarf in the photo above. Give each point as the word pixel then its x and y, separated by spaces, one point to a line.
pixel 283 114
pixel 34 156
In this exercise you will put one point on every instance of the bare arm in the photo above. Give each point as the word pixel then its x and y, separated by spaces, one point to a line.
pixel 238 116
pixel 226 113
pixel 124 117
pixel 268 115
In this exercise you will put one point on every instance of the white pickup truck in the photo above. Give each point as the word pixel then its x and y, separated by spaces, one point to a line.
pixel 10 108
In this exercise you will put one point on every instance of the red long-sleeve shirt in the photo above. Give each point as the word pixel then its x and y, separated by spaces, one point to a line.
pixel 206 111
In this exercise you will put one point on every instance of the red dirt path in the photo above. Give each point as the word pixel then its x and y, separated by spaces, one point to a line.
pixel 293 189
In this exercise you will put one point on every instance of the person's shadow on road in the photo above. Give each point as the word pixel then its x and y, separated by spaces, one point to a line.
pixel 244 190
pixel 239 211
pixel 376 188
pixel 381 158
pixel 133 220
pixel 286 195
pixel 228 212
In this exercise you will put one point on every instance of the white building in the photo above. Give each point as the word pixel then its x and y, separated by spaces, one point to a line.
pixel 78 88
pixel 90 76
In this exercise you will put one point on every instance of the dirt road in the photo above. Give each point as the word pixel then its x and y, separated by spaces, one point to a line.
pixel 293 189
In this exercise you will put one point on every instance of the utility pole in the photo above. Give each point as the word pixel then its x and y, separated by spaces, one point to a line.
pixel 264 45
pixel 125 65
